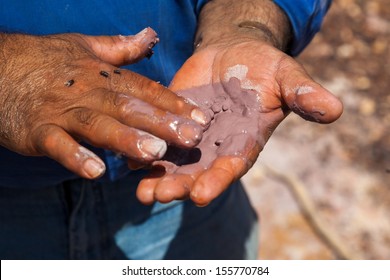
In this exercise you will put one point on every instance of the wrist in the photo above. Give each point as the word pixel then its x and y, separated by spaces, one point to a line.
pixel 227 22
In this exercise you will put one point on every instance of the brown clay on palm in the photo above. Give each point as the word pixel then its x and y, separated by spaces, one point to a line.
pixel 234 129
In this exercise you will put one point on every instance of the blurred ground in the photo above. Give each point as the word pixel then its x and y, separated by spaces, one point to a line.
pixel 345 166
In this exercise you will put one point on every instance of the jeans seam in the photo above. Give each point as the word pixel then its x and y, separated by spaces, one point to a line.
pixel 66 210
pixel 100 213
pixel 74 235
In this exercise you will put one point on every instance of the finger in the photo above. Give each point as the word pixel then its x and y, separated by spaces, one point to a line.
pixel 173 187
pixel 133 84
pixel 135 113
pixel 54 142
pixel 120 50
pixel 145 189
pixel 123 50
pixel 307 98
pixel 105 132
pixel 217 178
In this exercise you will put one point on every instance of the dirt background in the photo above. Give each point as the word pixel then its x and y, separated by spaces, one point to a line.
pixel 344 167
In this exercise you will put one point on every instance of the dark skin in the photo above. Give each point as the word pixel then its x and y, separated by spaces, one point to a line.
pixel 235 34
pixel 67 88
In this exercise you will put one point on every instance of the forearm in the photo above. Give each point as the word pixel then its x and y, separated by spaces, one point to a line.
pixel 2 79
pixel 2 57
pixel 229 21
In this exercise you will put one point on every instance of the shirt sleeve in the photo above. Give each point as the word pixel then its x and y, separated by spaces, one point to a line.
pixel 306 17
pixel 199 5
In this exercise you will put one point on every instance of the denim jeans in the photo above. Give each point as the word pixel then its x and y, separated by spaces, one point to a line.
pixel 83 219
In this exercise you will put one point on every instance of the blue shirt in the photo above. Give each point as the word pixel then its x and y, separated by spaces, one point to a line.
pixel 306 17
pixel 174 20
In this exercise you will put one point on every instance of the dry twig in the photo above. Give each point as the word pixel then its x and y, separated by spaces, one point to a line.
pixel 309 211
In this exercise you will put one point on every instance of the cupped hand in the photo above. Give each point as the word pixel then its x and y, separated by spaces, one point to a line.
pixel 262 85
pixel 58 90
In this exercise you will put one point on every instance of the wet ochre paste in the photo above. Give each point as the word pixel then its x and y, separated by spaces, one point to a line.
pixel 234 126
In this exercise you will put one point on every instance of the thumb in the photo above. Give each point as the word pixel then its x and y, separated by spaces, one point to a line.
pixel 123 50
pixel 307 98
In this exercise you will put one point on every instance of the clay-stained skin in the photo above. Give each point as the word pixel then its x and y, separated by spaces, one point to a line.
pixel 147 37
pixel 233 130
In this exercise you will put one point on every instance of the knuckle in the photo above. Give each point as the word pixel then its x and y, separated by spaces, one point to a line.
pixel 170 101
pixel 165 98
pixel 158 95
pixel 45 139
pixel 88 119
pixel 83 116
pixel 143 88
pixel 49 140
pixel 128 82
pixel 125 105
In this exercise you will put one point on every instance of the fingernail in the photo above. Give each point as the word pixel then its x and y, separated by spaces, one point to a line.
pixel 140 35
pixel 142 32
pixel 153 147
pixel 147 30
pixel 200 117
pixel 190 133
pixel 94 168
pixel 147 34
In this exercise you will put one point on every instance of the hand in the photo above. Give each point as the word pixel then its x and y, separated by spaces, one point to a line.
pixel 280 85
pixel 57 90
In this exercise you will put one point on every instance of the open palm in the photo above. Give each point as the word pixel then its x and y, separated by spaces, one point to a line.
pixel 248 89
